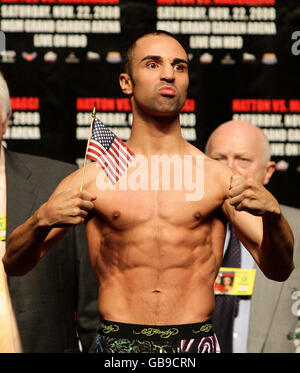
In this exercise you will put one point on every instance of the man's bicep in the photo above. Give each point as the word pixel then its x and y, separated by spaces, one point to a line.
pixel 71 181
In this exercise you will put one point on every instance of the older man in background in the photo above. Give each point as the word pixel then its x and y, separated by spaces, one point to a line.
pixel 54 307
pixel 267 320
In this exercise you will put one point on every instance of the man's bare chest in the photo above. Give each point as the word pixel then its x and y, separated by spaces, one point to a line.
pixel 172 190
pixel 123 210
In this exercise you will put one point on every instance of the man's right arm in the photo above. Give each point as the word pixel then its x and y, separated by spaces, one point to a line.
pixel 29 242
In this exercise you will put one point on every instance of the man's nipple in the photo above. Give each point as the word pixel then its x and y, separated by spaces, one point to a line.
pixel 197 216
pixel 116 214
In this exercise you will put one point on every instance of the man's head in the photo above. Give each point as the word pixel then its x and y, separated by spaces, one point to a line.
pixel 156 74
pixel 128 56
pixel 5 108
pixel 243 147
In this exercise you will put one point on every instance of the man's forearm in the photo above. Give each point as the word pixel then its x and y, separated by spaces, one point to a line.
pixel 277 247
pixel 24 246
pixel 30 241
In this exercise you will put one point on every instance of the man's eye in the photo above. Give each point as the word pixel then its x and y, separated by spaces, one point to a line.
pixel 152 65
pixel 244 162
pixel 217 157
pixel 179 67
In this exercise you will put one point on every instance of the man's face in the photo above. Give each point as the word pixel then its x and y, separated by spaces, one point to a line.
pixel 243 150
pixel 160 75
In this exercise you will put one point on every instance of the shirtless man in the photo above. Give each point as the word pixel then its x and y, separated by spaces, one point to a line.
pixel 155 254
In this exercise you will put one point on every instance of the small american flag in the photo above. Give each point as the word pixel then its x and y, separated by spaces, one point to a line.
pixel 109 151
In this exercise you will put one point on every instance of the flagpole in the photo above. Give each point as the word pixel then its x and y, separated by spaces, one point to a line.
pixel 87 146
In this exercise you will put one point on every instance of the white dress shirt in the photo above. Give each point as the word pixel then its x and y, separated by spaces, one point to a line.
pixel 241 322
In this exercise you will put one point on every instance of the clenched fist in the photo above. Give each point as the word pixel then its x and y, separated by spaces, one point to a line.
pixel 247 194
pixel 66 208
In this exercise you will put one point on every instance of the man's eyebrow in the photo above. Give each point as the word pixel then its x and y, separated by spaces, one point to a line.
pixel 160 59
pixel 152 57
pixel 180 60
pixel 215 153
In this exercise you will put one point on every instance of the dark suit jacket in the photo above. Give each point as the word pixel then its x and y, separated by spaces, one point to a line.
pixel 272 320
pixel 45 299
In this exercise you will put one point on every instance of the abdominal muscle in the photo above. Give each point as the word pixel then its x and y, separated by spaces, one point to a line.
pixel 143 281
pixel 182 301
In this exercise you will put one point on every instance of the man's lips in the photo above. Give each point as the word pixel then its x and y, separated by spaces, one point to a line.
pixel 167 91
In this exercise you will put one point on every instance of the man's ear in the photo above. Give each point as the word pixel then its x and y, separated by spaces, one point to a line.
pixel 126 83
pixel 270 168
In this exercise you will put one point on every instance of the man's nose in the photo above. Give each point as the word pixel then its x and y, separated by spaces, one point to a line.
pixel 234 164
pixel 230 163
pixel 167 73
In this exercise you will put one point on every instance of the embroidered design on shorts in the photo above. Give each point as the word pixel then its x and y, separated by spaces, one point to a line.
pixel 149 332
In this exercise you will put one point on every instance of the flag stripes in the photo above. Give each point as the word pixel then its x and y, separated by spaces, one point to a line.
pixel 109 151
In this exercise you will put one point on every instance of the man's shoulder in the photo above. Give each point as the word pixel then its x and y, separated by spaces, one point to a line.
pixel 36 159
pixel 210 163
pixel 217 176
pixel 218 171
pixel 38 165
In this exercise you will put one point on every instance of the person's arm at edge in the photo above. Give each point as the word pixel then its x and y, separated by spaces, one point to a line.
pixel 29 242
pixel 259 223
pixel 27 245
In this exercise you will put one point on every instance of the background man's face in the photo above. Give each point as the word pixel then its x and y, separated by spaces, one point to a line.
pixel 243 150
pixel 160 75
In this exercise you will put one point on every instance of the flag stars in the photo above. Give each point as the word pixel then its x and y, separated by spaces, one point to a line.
pixel 109 151
pixel 102 134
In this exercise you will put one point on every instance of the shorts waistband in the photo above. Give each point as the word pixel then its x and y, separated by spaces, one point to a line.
pixel 157 332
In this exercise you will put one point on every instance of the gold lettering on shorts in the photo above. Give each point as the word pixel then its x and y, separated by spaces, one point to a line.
pixel 204 328
pixel 149 332
pixel 109 328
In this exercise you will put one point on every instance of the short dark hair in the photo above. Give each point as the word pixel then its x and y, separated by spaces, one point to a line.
pixel 127 57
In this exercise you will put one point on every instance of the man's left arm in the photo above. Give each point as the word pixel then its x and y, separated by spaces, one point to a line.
pixel 259 223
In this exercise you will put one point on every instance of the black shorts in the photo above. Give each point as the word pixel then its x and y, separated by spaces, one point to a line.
pixel 115 337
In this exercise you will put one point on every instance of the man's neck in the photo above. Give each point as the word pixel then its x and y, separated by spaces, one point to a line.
pixel 156 136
